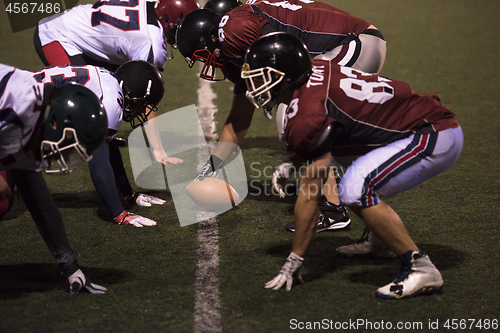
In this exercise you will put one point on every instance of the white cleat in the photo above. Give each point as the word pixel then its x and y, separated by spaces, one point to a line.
pixel 416 275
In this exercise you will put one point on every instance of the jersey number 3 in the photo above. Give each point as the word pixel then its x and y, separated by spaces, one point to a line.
pixel 133 15
pixel 63 75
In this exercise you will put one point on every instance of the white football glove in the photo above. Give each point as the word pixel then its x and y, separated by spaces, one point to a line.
pixel 289 271
pixel 146 200
pixel 280 175
pixel 77 281
pixel 135 220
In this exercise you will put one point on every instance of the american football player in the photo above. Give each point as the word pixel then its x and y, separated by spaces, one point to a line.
pixel 170 13
pixel 135 87
pixel 220 41
pixel 143 89
pixel 110 33
pixel 404 138
pixel 39 126
pixel 329 33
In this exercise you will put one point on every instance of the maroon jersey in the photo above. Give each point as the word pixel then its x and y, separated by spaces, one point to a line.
pixel 364 110
pixel 320 26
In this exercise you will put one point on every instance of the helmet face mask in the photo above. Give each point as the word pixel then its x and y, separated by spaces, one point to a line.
pixel 275 64
pixel 210 62
pixel 67 152
pixel 75 123
pixel 260 83
pixel 197 40
pixel 137 108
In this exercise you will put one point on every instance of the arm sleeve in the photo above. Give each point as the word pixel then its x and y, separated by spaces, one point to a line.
pixel 103 178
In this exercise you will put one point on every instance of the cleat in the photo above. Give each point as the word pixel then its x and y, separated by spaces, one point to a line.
pixel 331 217
pixel 367 245
pixel 417 275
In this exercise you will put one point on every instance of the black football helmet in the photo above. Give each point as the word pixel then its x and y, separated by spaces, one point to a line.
pixel 221 7
pixel 275 64
pixel 171 12
pixel 197 39
pixel 143 88
pixel 75 124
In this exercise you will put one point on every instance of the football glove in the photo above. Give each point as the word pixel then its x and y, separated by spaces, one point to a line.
pixel 280 175
pixel 144 200
pixel 289 271
pixel 147 200
pixel 135 220
pixel 211 168
pixel 78 281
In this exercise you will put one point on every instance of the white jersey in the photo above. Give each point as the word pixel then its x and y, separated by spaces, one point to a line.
pixel 21 98
pixel 113 31
pixel 99 80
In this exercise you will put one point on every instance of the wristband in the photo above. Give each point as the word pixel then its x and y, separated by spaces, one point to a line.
pixel 120 218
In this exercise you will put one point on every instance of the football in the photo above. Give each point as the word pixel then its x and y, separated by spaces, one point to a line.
pixel 213 194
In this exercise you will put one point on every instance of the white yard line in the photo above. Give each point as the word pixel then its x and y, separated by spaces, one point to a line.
pixel 207 317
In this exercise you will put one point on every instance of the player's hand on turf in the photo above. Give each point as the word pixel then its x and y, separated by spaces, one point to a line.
pixel 78 282
pixel 171 160
pixel 163 158
pixel 145 200
pixel 280 176
pixel 133 219
pixel 138 221
pixel 289 271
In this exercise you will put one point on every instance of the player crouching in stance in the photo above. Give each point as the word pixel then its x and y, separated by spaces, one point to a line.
pixel 413 138
pixel 131 94
pixel 39 125
pixel 219 34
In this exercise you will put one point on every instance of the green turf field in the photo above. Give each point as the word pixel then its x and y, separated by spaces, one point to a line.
pixel 446 47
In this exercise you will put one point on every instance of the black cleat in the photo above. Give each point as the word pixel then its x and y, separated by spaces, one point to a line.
pixel 331 217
